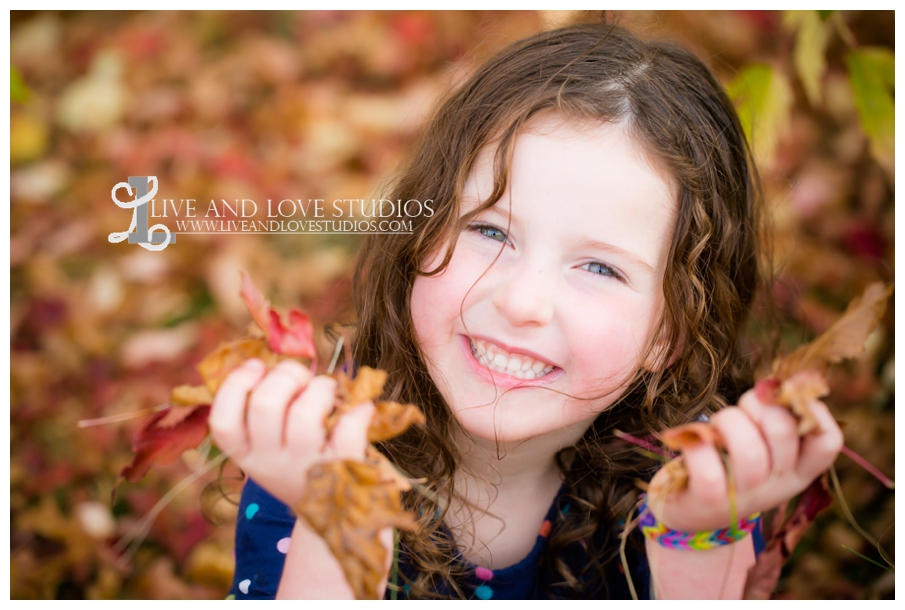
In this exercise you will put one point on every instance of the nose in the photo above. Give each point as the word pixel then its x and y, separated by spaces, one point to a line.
pixel 524 294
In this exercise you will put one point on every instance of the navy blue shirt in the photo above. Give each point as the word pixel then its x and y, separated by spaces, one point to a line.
pixel 263 535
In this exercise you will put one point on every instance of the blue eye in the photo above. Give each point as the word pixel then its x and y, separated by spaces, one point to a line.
pixel 602 269
pixel 490 232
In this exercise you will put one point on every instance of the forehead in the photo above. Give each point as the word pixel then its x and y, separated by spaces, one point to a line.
pixel 566 148
pixel 592 180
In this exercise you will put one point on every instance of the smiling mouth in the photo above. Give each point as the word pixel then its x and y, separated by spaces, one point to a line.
pixel 501 361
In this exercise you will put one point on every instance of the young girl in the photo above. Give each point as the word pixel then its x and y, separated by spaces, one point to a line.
pixel 589 268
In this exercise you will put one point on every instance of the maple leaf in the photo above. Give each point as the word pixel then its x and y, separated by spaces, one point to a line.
pixel 348 503
pixel 296 339
pixel 390 418
pixel 164 437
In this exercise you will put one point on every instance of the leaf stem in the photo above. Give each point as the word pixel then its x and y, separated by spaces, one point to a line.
pixel 135 536
pixel 112 419
pixel 641 443
pixel 630 524
pixel 860 461
pixel 837 487
pixel 876 563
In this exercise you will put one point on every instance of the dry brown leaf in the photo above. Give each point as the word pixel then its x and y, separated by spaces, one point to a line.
pixel 188 395
pixel 367 385
pixel 392 419
pixel 844 339
pixel 388 472
pixel 676 479
pixel 797 378
pixel 348 503
pixel 229 356
pixel 691 435
pixel 798 392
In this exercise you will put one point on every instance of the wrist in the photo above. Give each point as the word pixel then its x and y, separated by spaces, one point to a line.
pixel 653 530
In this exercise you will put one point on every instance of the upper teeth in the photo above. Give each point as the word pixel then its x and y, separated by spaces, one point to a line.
pixel 496 359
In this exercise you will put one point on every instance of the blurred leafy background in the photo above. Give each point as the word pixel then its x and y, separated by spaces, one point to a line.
pixel 323 105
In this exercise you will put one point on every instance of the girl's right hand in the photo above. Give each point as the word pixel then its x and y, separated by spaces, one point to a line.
pixel 271 423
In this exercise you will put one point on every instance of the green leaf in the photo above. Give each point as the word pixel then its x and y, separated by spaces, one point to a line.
pixel 763 98
pixel 18 90
pixel 872 76
pixel 824 15
pixel 809 54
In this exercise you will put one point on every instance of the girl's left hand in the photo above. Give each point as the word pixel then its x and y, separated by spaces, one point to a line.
pixel 770 464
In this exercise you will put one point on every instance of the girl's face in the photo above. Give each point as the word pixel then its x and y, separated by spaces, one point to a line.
pixel 566 310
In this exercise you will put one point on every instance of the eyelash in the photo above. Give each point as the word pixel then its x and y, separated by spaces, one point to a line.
pixel 608 270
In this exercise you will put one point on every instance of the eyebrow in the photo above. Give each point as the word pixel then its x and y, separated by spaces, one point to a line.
pixel 600 245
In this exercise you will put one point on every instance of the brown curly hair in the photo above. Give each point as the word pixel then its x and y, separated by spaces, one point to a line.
pixel 673 105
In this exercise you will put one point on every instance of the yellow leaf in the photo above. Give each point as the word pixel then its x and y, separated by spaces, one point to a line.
pixel 872 76
pixel 809 54
pixel 763 98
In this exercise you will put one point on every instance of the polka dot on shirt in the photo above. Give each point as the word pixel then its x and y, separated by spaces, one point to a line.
pixel 483 592
pixel 545 528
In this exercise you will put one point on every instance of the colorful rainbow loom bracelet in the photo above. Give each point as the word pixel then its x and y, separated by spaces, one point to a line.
pixel 694 541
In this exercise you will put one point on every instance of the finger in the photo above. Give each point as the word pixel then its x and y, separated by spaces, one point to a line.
pixel 305 420
pixel 350 437
pixel 819 449
pixel 269 401
pixel 227 416
pixel 780 429
pixel 752 406
pixel 706 473
pixel 748 452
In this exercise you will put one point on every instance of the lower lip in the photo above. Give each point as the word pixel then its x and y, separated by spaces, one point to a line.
pixel 502 379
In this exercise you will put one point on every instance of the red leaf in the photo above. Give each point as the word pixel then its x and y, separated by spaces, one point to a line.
pixel 296 340
pixel 164 437
pixel 258 306
pixel 763 575
pixel 767 390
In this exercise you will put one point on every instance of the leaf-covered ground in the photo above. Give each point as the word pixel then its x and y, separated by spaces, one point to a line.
pixel 324 105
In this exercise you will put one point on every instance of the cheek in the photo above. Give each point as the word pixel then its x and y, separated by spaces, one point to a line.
pixel 609 347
